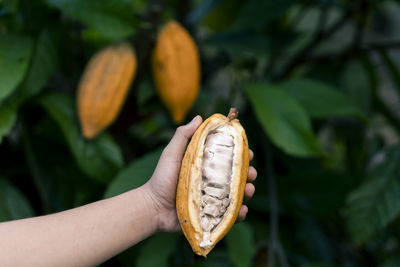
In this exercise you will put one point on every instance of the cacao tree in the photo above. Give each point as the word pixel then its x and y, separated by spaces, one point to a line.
pixel 316 83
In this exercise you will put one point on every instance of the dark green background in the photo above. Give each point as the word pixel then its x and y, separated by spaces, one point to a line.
pixel 317 84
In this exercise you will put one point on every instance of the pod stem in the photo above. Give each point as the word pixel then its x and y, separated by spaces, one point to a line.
pixel 233 113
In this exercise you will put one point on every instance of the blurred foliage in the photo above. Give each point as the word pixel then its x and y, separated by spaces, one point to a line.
pixel 317 83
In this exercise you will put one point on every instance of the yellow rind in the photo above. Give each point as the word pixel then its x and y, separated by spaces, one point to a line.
pixel 176 70
pixel 104 86
pixel 189 170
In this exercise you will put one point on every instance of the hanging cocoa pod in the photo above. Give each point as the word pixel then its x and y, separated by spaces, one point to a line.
pixel 212 180
pixel 176 70
pixel 104 87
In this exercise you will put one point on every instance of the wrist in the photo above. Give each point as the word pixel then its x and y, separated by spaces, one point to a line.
pixel 165 215
pixel 149 207
pixel 153 204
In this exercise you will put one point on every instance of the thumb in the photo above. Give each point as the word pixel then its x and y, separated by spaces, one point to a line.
pixel 178 143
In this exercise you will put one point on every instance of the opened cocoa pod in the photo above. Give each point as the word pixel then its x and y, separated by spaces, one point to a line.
pixel 212 180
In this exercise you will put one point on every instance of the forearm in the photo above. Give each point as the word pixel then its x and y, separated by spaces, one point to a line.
pixel 83 236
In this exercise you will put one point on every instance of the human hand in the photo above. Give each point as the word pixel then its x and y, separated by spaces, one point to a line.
pixel 162 185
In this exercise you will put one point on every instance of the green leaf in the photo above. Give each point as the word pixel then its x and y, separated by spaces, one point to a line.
pixel 135 175
pixel 201 10
pixel 256 13
pixel 313 238
pixel 15 54
pixel 110 18
pixel 241 244
pixel 217 258
pixel 11 6
pixel 391 67
pixel 223 14
pixel 44 63
pixel 161 244
pixel 392 262
pixel 8 117
pixel 319 264
pixel 240 43
pixel 320 100
pixel 100 158
pixel 283 119
pixel 13 204
pixel 321 192
pixel 373 205
pixel 358 84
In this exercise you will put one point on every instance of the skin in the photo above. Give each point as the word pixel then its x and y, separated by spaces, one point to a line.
pixel 91 234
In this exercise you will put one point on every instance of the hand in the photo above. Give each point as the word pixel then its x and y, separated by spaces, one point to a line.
pixel 162 185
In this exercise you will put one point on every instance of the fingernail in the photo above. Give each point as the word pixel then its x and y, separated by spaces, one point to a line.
pixel 194 120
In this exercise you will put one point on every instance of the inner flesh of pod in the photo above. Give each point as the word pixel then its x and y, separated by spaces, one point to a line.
pixel 216 171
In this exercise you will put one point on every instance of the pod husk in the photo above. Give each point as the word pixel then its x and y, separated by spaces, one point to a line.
pixel 189 186
pixel 176 69
pixel 104 86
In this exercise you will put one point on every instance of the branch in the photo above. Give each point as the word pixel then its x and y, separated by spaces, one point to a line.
pixel 183 8
pixel 381 106
pixel 318 37
pixel 381 45
pixel 273 213
pixel 363 52
pixel 360 23
pixel 377 100
pixel 278 50
pixel 34 167
pixel 300 15
pixel 144 43
pixel 323 15
pixel 352 51
pixel 274 245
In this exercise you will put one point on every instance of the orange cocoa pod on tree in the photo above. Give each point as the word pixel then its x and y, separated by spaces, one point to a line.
pixel 176 69
pixel 211 182
pixel 104 86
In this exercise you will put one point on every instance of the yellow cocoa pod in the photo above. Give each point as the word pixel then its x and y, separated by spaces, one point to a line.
pixel 212 180
pixel 104 86
pixel 176 69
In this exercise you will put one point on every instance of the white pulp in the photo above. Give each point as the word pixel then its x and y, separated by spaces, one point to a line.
pixel 216 180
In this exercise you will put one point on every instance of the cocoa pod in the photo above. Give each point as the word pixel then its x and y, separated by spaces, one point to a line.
pixel 176 69
pixel 212 180
pixel 104 86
